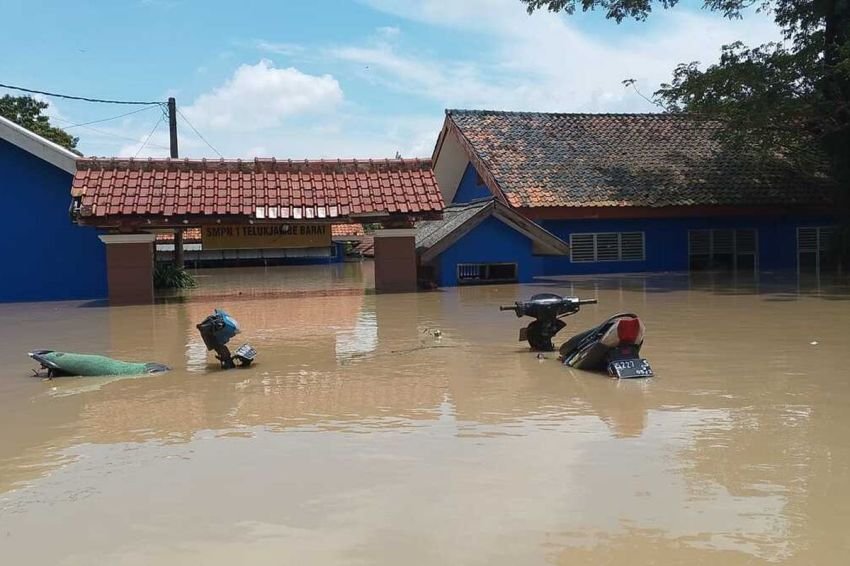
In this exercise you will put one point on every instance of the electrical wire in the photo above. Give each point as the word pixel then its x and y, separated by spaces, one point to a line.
pixel 108 119
pixel 633 83
pixel 83 98
pixel 203 139
pixel 144 143
pixel 110 134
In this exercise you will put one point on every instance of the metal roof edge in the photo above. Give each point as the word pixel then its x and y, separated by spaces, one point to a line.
pixel 38 146
pixel 450 238
pixel 531 229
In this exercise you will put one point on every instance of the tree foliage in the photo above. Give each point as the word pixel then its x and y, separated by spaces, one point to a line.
pixel 27 112
pixel 789 99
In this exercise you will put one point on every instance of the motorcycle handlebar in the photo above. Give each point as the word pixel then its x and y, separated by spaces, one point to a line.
pixel 507 308
pixel 587 301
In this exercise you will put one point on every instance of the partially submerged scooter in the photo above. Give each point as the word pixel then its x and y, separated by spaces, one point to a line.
pixel 547 309
pixel 216 331
pixel 60 364
pixel 613 346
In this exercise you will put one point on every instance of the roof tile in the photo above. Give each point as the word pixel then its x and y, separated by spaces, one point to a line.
pixel 646 160
pixel 296 189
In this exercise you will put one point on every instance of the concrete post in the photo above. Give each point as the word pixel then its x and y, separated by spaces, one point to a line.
pixel 395 260
pixel 129 268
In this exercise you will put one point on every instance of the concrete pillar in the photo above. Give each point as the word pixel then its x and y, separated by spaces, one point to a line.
pixel 395 260
pixel 178 249
pixel 129 268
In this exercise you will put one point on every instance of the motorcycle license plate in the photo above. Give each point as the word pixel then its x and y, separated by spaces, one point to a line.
pixel 523 334
pixel 628 369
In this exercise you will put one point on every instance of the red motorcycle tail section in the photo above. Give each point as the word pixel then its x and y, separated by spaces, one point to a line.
pixel 628 330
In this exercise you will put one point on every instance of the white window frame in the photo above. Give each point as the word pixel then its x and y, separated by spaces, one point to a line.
pixel 463 281
pixel 596 235
pixel 735 252
pixel 819 249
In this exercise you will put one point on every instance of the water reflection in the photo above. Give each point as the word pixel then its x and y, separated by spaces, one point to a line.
pixel 363 436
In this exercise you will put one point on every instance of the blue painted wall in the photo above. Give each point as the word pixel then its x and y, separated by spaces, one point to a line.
pixel 46 256
pixel 666 241
pixel 492 241
pixel 469 189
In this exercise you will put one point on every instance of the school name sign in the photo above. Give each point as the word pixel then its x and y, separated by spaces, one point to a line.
pixel 266 236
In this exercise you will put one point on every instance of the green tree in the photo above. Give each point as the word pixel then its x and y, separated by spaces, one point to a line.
pixel 789 99
pixel 26 111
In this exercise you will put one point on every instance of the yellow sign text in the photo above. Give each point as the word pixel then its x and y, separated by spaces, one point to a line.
pixel 266 236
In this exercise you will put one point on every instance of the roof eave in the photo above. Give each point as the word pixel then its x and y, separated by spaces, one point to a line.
pixel 38 146
pixel 547 242
pixel 448 240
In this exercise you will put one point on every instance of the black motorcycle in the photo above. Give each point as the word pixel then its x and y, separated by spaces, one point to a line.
pixel 216 331
pixel 613 346
pixel 547 309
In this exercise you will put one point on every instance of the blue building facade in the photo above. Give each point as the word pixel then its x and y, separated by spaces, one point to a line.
pixel 492 242
pixel 618 207
pixel 483 241
pixel 666 241
pixel 47 257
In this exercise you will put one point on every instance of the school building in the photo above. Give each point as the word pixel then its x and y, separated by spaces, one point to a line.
pixel 625 192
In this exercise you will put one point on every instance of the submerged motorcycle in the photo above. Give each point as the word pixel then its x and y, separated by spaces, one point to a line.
pixel 547 309
pixel 216 330
pixel 613 346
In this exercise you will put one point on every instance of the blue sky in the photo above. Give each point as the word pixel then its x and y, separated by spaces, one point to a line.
pixel 336 78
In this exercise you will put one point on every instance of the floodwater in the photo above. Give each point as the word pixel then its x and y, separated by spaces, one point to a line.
pixel 360 437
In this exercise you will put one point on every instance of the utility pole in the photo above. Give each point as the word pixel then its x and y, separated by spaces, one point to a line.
pixel 172 132
pixel 172 125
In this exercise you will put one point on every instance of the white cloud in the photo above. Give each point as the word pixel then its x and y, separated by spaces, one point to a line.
pixel 546 62
pixel 255 114
pixel 338 136
pixel 262 96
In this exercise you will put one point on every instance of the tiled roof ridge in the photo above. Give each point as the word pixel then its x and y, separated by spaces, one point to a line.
pixel 257 165
pixel 470 204
pixel 665 115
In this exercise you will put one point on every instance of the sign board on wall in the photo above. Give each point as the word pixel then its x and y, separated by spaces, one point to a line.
pixel 266 236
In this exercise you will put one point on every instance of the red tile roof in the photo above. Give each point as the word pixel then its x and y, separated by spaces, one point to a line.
pixel 261 189
pixel 535 159
pixel 190 235
pixel 342 230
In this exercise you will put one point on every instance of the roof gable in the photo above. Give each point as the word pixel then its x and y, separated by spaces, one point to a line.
pixel 436 236
pixel 625 160
pixel 38 146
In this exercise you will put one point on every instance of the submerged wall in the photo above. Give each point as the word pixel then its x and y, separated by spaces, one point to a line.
pixel 492 241
pixel 46 257
pixel 666 241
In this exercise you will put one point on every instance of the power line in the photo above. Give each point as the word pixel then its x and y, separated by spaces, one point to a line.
pixel 203 139
pixel 633 83
pixel 144 143
pixel 83 98
pixel 110 134
pixel 108 119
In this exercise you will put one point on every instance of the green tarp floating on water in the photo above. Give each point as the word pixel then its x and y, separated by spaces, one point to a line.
pixel 68 363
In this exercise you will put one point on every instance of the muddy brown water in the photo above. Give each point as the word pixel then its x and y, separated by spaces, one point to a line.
pixel 359 437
